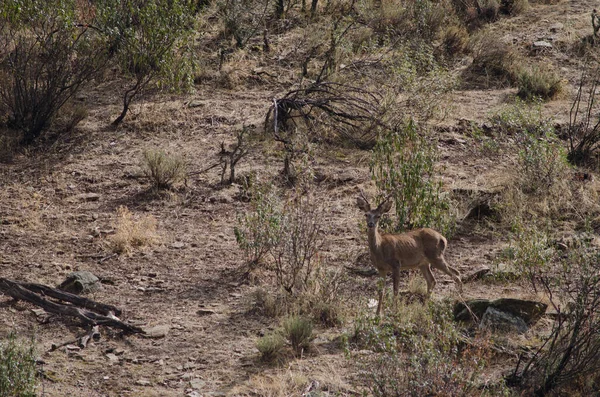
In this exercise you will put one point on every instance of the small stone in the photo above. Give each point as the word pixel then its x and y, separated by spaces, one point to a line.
pixel 112 359
pixel 156 332
pixel 197 384
pixel 541 45
pixel 86 197
pixel 195 104
pixel 205 312
pixel 178 245
pixel 555 27
pixel 143 382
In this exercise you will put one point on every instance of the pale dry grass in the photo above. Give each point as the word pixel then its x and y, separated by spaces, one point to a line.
pixel 132 231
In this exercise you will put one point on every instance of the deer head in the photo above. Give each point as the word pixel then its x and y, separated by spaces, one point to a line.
pixel 373 215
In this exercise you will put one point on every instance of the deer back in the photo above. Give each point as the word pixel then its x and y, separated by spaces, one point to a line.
pixel 408 250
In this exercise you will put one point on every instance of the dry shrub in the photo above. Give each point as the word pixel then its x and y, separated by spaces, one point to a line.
pixel 455 40
pixel 495 61
pixel 539 82
pixel 571 353
pixel 514 7
pixel 163 169
pixel 132 232
pixel 270 345
pixel 299 332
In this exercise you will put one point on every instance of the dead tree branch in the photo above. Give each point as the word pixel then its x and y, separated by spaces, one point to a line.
pixel 36 294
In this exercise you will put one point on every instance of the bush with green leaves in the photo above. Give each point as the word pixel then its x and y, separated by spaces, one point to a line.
pixel 47 53
pixel 163 169
pixel 17 367
pixel 418 351
pixel 258 229
pixel 150 42
pixel 299 331
pixel 522 118
pixel 403 167
pixel 543 164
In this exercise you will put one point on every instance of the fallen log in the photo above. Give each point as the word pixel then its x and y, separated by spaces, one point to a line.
pixel 29 293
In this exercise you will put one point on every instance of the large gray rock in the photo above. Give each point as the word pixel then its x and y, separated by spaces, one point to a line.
pixel 528 311
pixel 81 282
pixel 498 321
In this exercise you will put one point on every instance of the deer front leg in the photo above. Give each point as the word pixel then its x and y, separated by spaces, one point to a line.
pixel 381 287
pixel 396 281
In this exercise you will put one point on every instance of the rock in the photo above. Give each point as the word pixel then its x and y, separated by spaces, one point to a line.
pixel 476 306
pixel 499 321
pixel 178 245
pixel 555 27
pixel 197 384
pixel 112 359
pixel 156 332
pixel 87 197
pixel 195 104
pixel 528 311
pixel 541 45
pixel 81 282
pixel 143 382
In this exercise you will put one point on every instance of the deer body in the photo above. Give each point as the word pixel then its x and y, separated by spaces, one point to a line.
pixel 391 253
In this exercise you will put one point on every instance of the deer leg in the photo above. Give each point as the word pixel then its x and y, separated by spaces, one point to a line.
pixel 381 287
pixel 441 264
pixel 429 278
pixel 396 281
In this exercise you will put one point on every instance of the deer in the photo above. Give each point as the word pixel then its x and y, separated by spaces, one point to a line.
pixel 390 253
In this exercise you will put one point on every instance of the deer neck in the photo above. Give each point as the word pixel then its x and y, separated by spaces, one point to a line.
pixel 374 239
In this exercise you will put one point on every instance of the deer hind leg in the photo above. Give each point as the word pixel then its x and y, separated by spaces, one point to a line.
pixel 429 278
pixel 441 264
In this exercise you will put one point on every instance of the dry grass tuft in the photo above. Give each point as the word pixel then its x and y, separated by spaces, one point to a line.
pixel 132 232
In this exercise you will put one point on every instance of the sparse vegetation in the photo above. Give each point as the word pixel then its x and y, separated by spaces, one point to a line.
pixel 132 232
pixel 17 367
pixel 163 169
pixel 389 97
pixel 539 82
pixel 270 345
pixel 299 331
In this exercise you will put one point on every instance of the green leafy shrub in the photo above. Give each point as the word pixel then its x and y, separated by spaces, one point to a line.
pixel 270 345
pixel 543 164
pixel 154 48
pixel 523 119
pixel 258 229
pixel 298 330
pixel 17 368
pixel 418 352
pixel 403 166
pixel 163 169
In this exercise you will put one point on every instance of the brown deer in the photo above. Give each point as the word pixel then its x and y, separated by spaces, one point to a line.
pixel 418 248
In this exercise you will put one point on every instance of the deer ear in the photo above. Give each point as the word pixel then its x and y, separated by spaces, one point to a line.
pixel 363 204
pixel 385 206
